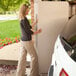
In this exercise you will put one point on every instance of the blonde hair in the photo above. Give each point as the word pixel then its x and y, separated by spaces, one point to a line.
pixel 22 11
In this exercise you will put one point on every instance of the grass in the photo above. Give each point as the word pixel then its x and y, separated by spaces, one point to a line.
pixel 9 32
pixel 9 29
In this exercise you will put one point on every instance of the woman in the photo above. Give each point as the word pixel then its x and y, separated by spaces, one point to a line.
pixel 27 44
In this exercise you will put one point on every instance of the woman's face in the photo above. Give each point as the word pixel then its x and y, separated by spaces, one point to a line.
pixel 27 11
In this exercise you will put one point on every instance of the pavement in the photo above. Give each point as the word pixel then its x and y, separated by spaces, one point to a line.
pixel 11 52
pixel 12 72
pixel 9 56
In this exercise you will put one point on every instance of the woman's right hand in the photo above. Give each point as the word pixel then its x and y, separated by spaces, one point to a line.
pixel 40 30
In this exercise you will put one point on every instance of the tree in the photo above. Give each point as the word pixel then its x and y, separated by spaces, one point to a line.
pixel 7 5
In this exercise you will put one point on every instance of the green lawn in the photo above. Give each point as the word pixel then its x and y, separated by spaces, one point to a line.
pixel 9 29
pixel 9 32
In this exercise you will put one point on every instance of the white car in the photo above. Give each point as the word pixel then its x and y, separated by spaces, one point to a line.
pixel 64 56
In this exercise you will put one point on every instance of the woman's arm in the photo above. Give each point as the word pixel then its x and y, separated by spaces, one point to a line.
pixel 36 32
pixel 34 23
pixel 25 26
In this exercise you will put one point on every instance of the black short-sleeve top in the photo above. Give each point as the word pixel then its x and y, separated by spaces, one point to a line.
pixel 26 32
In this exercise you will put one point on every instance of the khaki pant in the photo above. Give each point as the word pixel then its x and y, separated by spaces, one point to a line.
pixel 27 46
